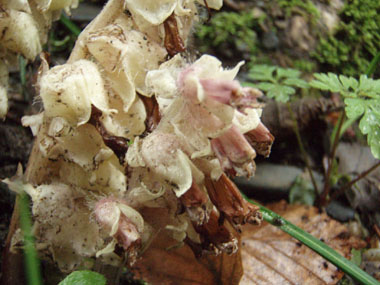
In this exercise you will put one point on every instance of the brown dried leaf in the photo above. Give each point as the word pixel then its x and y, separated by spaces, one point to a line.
pixel 162 265
pixel 270 256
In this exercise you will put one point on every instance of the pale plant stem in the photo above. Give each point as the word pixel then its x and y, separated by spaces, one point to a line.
pixel 302 148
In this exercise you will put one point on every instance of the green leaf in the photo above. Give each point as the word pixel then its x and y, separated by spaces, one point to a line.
pixel 327 82
pixel 302 192
pixel 349 82
pixel 84 277
pixel 296 82
pixel 370 126
pixel 262 72
pixel 287 73
pixel 356 257
pixel 355 107
pixel 281 93
pixel 265 86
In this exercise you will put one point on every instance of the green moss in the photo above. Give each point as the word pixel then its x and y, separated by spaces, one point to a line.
pixel 233 28
pixel 305 8
pixel 356 40
pixel 304 65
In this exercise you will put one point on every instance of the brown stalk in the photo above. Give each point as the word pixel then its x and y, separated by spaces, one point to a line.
pixel 153 114
pixel 119 145
pixel 208 10
pixel 341 190
pixel 173 42
pixel 194 200
pixel 215 237
pixel 227 198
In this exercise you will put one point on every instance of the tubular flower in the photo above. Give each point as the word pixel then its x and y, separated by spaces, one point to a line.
pixel 126 132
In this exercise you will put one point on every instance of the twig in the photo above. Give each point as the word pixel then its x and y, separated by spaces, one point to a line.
pixel 326 186
pixel 302 149
pixel 341 190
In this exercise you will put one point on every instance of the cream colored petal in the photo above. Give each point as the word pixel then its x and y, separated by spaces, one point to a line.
pixel 132 215
pixel 34 122
pixel 19 5
pixel 53 5
pixel 248 121
pixel 63 222
pixel 126 124
pixel 108 179
pixel 108 46
pixel 121 83
pixel 133 155
pixel 143 196
pixel 155 12
pixel 82 147
pixel 213 4
pixel 142 55
pixel 208 66
pixel 68 91
pixel 20 33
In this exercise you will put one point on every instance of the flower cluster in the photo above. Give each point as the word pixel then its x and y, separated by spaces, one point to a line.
pixel 125 132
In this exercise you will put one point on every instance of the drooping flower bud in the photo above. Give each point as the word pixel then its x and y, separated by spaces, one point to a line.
pixel 227 198
pixel 122 222
pixel 261 139
pixel 234 152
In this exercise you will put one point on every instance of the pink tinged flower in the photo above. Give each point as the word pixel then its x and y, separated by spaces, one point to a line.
pixel 109 215
pixel 261 139
pixel 234 152
pixel 220 90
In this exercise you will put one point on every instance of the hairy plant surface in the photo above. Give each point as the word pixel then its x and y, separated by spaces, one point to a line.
pixel 130 125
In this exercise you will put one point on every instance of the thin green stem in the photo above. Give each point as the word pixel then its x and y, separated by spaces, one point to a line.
pixel 347 123
pixel 301 146
pixel 326 187
pixel 32 263
pixel 341 190
pixel 336 132
pixel 316 245
pixel 22 67
pixel 70 25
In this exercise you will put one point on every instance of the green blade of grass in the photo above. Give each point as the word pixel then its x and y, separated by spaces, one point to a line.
pixel 32 263
pixel 373 64
pixel 22 66
pixel 316 245
pixel 70 25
